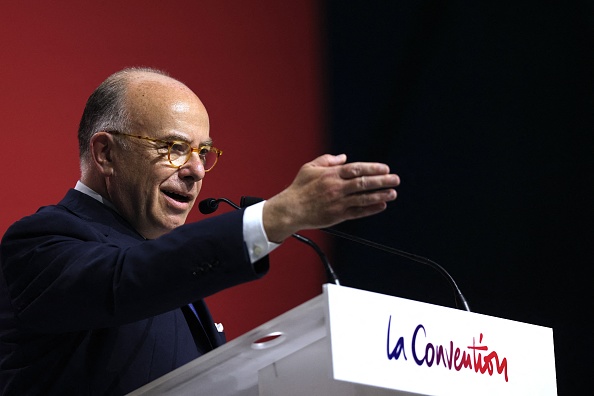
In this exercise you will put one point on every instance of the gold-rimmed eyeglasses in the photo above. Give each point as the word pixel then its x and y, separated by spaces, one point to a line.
pixel 179 152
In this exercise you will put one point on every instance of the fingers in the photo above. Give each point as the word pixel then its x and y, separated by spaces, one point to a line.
pixel 367 188
pixel 362 176
pixel 356 212
pixel 367 177
pixel 367 203
pixel 357 169
pixel 357 184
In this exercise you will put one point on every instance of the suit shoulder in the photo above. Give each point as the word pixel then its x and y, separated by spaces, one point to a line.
pixel 53 219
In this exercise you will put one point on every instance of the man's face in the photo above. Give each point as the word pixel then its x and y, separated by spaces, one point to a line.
pixel 147 190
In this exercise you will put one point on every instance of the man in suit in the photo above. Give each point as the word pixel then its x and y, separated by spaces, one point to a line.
pixel 103 292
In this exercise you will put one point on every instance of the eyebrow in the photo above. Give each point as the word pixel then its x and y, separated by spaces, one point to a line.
pixel 182 138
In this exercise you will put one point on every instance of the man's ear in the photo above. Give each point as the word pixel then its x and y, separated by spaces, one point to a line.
pixel 102 146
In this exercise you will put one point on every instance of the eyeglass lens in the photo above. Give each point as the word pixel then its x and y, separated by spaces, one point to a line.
pixel 180 152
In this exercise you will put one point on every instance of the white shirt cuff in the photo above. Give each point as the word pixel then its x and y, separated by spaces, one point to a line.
pixel 254 235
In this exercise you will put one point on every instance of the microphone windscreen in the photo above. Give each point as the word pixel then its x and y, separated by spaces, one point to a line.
pixel 208 206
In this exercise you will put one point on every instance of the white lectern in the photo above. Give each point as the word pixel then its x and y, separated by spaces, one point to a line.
pixel 352 342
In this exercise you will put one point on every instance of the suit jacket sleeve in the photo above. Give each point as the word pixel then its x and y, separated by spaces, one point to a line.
pixel 67 273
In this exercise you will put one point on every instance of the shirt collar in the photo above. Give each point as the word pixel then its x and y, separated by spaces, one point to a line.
pixel 86 190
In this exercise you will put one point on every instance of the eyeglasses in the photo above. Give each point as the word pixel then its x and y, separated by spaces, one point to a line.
pixel 178 152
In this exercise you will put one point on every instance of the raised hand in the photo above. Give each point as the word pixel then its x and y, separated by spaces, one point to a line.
pixel 328 191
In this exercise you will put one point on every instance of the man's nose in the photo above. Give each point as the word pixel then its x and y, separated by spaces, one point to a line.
pixel 194 168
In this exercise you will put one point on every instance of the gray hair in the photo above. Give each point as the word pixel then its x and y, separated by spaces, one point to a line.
pixel 106 108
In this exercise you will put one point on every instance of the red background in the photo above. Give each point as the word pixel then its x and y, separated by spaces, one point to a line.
pixel 255 65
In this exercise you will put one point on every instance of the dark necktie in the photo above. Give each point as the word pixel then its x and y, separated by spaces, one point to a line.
pixel 201 339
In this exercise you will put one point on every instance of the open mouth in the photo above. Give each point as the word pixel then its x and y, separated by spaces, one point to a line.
pixel 176 196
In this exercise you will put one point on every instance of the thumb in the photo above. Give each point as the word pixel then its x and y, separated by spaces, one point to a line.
pixel 329 160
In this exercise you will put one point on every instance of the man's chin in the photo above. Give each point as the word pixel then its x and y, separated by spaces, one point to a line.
pixel 175 221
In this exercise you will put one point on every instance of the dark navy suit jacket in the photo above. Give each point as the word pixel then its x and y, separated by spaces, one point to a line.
pixel 88 306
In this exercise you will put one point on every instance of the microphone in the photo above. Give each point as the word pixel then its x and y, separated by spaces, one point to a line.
pixel 207 206
pixel 210 205
pixel 246 201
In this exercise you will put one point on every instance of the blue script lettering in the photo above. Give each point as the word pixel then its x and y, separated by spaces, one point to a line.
pixel 398 348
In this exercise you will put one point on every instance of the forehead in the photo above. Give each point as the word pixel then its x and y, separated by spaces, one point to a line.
pixel 162 107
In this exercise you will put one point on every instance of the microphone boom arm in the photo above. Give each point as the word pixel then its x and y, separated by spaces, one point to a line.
pixel 210 205
pixel 410 256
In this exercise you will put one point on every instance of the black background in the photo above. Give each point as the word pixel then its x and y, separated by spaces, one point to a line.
pixel 485 110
